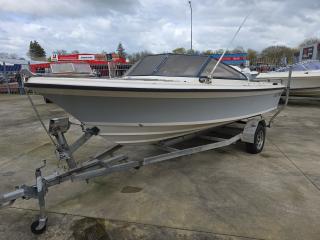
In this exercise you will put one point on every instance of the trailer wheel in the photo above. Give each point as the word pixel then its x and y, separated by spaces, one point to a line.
pixel 36 231
pixel 259 140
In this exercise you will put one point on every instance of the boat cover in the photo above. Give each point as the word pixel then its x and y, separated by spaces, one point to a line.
pixel 311 65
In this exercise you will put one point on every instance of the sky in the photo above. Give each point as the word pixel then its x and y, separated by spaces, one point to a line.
pixel 157 26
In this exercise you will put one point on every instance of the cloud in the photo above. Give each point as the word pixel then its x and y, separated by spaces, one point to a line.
pixel 157 26
pixel 66 8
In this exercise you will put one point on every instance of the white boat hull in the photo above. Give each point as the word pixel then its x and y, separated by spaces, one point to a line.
pixel 126 117
pixel 306 92
pixel 139 134
pixel 302 83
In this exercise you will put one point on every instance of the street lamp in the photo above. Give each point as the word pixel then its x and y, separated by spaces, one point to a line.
pixel 190 23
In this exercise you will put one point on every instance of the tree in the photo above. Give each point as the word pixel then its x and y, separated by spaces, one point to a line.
pixel 36 52
pixel 61 52
pixel 180 50
pixel 75 52
pixel 190 51
pixel 193 52
pixel 278 55
pixel 207 52
pixel 134 57
pixel 121 51
pixel 238 49
pixel 309 41
pixel 252 55
pixel 219 51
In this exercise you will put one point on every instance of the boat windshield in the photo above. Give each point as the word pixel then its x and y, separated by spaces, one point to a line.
pixel 302 66
pixel 222 71
pixel 178 65
pixel 146 66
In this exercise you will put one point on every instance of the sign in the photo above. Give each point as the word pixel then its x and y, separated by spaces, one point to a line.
pixel 307 53
pixel 232 58
pixel 54 57
pixel 86 57
pixel 69 57
pixel 100 57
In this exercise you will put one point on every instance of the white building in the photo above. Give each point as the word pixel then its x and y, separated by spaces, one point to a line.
pixel 310 51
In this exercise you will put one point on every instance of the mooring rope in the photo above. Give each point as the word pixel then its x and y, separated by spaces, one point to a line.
pixel 39 118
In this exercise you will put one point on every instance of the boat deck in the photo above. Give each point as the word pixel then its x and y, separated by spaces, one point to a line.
pixel 219 194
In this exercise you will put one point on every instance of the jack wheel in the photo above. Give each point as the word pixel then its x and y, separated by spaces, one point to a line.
pixel 36 230
pixel 282 101
pixel 46 100
pixel 259 140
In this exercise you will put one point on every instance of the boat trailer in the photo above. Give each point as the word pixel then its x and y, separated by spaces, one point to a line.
pixel 106 162
pixel 251 131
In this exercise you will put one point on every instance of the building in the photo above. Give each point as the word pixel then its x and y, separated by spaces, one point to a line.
pixel 88 58
pixel 101 63
pixel 236 59
pixel 310 51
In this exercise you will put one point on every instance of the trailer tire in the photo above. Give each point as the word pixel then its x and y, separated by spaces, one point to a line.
pixel 36 231
pixel 259 140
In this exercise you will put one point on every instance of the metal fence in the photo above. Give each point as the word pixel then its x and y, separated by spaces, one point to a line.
pixel 118 70
pixel 266 64
pixel 110 70
pixel 10 80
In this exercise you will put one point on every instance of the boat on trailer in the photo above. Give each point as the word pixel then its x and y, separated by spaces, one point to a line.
pixel 305 79
pixel 165 100
pixel 162 96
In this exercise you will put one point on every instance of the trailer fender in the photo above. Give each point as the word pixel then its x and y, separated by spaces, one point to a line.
pixel 250 129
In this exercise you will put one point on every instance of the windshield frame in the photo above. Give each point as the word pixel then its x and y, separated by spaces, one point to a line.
pixel 225 65
pixel 199 71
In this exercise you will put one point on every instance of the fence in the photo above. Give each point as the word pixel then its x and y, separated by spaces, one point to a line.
pixel 110 70
pixel 266 64
pixel 118 70
pixel 10 78
pixel 11 88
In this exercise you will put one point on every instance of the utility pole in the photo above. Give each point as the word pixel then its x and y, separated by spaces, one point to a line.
pixel 190 24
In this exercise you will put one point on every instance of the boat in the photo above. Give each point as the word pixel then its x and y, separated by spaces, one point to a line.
pixel 161 97
pixel 246 71
pixel 305 78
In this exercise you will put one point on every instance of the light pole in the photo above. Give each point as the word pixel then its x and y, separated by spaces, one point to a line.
pixel 190 23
